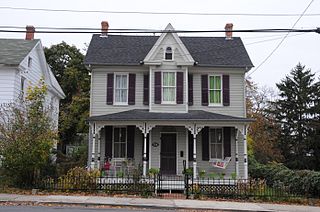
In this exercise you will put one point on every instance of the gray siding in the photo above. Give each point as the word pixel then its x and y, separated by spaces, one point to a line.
pixel 98 104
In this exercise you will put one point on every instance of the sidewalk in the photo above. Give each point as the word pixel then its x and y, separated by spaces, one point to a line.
pixel 154 203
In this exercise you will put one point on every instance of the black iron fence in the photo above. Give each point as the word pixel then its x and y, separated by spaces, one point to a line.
pixel 183 186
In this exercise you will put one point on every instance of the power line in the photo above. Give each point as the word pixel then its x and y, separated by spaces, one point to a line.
pixel 159 13
pixel 279 44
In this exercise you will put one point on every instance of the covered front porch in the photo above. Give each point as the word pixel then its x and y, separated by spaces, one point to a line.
pixel 169 142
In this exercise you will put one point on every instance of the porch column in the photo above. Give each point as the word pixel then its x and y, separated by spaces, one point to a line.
pixel 245 156
pixel 194 129
pixel 93 146
pixel 237 151
pixel 145 129
pixel 98 129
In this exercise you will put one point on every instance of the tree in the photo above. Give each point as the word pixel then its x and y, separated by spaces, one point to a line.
pixel 295 113
pixel 67 64
pixel 26 137
pixel 263 132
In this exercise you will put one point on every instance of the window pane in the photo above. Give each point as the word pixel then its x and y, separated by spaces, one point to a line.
pixel 116 150
pixel 168 94
pixel 211 100
pixel 217 82
pixel 116 134
pixel 213 151
pixel 218 150
pixel 217 96
pixel 168 79
pixel 211 82
pixel 123 150
pixel 124 81
pixel 219 136
pixel 123 136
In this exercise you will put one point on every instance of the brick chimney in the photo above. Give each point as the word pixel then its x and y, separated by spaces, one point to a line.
pixel 228 29
pixel 104 28
pixel 30 32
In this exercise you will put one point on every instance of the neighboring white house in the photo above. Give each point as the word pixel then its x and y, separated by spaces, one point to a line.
pixel 23 64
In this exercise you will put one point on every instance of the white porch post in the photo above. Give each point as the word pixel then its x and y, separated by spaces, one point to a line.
pixel 194 129
pixel 145 129
pixel 93 146
pixel 237 152
pixel 99 127
pixel 245 156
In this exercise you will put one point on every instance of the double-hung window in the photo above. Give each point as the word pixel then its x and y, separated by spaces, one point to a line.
pixel 215 90
pixel 169 87
pixel 168 55
pixel 120 142
pixel 121 89
pixel 216 143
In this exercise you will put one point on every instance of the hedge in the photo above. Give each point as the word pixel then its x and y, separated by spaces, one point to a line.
pixel 304 182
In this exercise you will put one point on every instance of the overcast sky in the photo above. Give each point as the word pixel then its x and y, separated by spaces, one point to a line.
pixel 302 48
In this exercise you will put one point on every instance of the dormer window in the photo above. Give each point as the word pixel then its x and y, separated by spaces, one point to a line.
pixel 168 54
pixel 29 62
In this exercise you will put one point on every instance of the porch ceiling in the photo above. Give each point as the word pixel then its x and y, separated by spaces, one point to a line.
pixel 145 115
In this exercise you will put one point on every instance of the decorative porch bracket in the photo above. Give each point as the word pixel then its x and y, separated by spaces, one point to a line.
pixel 242 129
pixel 145 129
pixel 194 129
pixel 96 136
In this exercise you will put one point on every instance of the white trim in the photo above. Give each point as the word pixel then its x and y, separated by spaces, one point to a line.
pixel 222 143
pixel 187 148
pixel 150 89
pixel 221 97
pixel 186 96
pixel 126 149
pixel 174 102
pixel 114 87
pixel 177 151
pixel 150 141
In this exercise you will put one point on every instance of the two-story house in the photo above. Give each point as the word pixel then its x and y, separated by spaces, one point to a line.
pixel 23 64
pixel 162 100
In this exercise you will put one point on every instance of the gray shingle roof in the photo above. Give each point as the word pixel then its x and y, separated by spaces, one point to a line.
pixel 13 51
pixel 145 115
pixel 130 50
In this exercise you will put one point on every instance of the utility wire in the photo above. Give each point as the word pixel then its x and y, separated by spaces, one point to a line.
pixel 279 44
pixel 158 13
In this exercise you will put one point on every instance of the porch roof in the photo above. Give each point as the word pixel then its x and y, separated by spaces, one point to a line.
pixel 145 115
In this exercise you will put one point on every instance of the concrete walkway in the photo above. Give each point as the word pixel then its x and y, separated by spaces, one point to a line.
pixel 154 203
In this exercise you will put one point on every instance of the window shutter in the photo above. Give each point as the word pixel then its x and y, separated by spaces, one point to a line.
pixel 157 87
pixel 109 89
pixel 227 141
pixel 204 90
pixel 205 144
pixel 179 87
pixel 226 90
pixel 147 146
pixel 146 89
pixel 108 137
pixel 130 141
pixel 190 89
pixel 132 89
pixel 190 146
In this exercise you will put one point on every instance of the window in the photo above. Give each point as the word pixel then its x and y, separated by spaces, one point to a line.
pixel 120 142
pixel 168 87
pixel 215 90
pixel 121 89
pixel 216 143
pixel 29 62
pixel 168 54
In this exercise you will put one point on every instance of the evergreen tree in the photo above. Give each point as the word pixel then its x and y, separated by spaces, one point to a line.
pixel 295 113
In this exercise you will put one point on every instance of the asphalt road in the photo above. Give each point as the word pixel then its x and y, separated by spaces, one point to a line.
pixel 71 209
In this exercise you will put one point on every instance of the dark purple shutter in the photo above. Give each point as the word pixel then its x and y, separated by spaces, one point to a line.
pixel 190 89
pixel 227 141
pixel 130 141
pixel 109 89
pixel 132 89
pixel 204 90
pixel 108 137
pixel 146 89
pixel 205 144
pixel 190 146
pixel 179 87
pixel 157 87
pixel 226 90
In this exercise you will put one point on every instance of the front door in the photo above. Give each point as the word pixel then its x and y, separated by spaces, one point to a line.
pixel 168 153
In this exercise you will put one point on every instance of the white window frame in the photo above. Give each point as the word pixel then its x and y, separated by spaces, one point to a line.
pixel 221 89
pixel 222 142
pixel 113 142
pixel 114 88
pixel 175 86
pixel 165 51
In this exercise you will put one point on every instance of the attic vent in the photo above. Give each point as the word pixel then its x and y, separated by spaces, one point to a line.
pixel 168 54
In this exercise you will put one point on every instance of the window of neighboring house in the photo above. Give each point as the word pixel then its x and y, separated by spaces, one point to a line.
pixel 168 87
pixel 120 142
pixel 216 143
pixel 215 90
pixel 168 55
pixel 121 89
pixel 29 62
pixel 22 86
